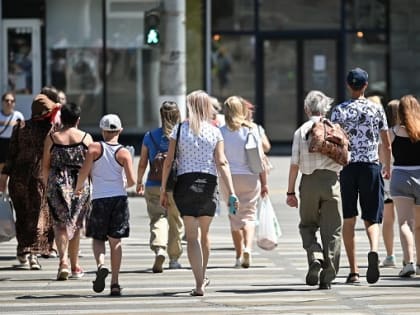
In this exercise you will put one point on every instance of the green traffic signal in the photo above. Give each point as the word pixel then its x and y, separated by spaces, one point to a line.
pixel 152 37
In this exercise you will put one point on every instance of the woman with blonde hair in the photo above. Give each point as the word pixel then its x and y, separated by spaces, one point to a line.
pixel 200 159
pixel 166 228
pixel 248 186
pixel 405 180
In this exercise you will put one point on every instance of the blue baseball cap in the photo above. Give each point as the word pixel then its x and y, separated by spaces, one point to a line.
pixel 357 78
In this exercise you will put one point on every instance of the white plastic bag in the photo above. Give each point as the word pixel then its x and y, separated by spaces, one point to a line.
pixel 7 221
pixel 268 231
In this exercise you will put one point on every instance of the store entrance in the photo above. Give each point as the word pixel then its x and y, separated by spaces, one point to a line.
pixel 292 68
pixel 22 61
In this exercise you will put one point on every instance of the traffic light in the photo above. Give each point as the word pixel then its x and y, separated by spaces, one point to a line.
pixel 151 27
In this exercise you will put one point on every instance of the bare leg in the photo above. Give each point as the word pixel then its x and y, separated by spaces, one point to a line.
pixel 372 231
pixel 237 242
pixel 116 257
pixel 248 232
pixel 74 245
pixel 99 252
pixel 349 243
pixel 388 228
pixel 406 222
pixel 204 223
pixel 417 231
pixel 62 243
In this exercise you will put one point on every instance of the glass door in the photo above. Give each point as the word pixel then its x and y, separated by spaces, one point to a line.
pixel 292 68
pixel 22 61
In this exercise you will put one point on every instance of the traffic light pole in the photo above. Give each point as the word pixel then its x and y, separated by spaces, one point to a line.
pixel 173 54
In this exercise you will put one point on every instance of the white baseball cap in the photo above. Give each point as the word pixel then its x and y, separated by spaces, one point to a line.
pixel 110 122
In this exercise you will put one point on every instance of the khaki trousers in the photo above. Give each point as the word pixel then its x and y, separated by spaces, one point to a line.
pixel 320 209
pixel 166 227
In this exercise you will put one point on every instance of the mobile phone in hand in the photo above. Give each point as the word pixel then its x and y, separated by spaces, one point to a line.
pixel 232 200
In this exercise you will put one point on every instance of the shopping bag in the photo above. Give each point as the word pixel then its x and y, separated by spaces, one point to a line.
pixel 7 221
pixel 268 231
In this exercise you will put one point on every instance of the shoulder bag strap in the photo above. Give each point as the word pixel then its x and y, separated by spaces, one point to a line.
pixel 7 124
pixel 178 133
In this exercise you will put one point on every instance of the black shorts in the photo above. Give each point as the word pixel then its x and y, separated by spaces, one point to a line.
pixel 108 217
pixel 4 149
pixel 362 182
pixel 195 194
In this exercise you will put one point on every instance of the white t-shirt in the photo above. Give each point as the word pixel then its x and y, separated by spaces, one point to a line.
pixel 196 153
pixel 7 133
pixel 235 149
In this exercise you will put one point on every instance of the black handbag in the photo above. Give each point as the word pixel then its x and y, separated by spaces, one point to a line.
pixel 173 177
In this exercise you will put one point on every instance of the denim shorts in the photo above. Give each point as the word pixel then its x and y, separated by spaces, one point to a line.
pixel 406 183
pixel 362 182
pixel 108 217
pixel 195 194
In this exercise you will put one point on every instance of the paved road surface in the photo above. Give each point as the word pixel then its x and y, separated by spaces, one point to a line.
pixel 273 285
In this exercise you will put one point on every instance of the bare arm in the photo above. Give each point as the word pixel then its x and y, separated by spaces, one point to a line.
pixel 46 159
pixel 223 166
pixel 386 154
pixel 265 143
pixel 124 157
pixel 293 173
pixel 144 158
pixel 167 164
pixel 92 153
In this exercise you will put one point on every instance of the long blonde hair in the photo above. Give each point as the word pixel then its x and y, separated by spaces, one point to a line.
pixel 409 115
pixel 200 109
pixel 170 116
pixel 236 112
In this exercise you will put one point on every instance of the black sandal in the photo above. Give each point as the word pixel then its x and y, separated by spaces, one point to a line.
pixel 115 290
pixel 353 277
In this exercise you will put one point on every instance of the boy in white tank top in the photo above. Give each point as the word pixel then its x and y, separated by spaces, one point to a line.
pixel 110 166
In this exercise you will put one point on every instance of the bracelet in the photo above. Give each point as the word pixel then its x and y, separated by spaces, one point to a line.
pixel 290 193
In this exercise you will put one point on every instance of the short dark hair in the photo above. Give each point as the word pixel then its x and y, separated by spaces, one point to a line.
pixel 70 113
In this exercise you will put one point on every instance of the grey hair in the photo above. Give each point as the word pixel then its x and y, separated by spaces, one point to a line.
pixel 317 102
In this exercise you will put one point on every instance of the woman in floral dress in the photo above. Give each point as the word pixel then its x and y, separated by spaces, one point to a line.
pixel 64 154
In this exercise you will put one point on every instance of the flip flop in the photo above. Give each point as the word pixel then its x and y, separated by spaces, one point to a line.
pixel 373 274
pixel 99 283
pixel 206 281
pixel 352 278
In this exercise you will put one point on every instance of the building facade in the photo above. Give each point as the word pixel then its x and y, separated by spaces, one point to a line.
pixel 271 52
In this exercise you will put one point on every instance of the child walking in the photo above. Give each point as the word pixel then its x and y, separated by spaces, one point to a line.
pixel 110 167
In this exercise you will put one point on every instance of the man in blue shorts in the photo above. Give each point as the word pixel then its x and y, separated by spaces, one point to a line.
pixel 365 123
pixel 110 166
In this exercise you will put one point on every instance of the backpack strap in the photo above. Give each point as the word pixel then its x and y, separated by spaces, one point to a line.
pixel 154 142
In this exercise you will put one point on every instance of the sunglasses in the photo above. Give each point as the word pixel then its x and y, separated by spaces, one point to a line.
pixel 8 100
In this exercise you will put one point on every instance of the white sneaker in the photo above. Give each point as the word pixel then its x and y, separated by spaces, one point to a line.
pixel 237 263
pixel 34 263
pixel 407 271
pixel 246 259
pixel 174 264
pixel 388 262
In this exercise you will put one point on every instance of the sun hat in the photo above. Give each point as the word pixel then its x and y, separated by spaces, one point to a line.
pixel 42 107
pixel 110 122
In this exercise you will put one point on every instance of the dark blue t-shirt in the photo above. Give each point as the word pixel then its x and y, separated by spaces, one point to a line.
pixel 161 141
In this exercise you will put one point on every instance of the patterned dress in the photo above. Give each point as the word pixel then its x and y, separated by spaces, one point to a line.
pixel 68 210
pixel 34 232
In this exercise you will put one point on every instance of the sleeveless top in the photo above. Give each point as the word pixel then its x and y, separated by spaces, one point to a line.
pixel 405 152
pixel 107 173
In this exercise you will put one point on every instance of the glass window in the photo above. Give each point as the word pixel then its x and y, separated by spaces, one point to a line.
pixel 231 15
pixel 74 53
pixel 366 14
pixel 299 14
pixel 280 90
pixel 233 70
pixel 368 51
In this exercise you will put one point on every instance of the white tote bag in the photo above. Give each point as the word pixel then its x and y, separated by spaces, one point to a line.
pixel 253 153
pixel 268 231
pixel 7 221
